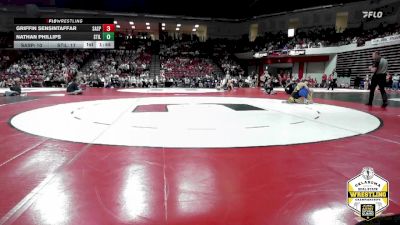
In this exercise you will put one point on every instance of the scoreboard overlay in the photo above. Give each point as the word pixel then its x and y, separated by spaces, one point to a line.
pixel 64 33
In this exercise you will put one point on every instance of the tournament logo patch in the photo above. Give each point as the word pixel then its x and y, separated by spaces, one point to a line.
pixel 368 194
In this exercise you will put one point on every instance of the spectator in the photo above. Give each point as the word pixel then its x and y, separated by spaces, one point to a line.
pixel 396 79
pixel 324 80
pixel 15 89
pixel 73 88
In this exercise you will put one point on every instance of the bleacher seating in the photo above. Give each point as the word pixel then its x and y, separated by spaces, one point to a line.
pixel 359 61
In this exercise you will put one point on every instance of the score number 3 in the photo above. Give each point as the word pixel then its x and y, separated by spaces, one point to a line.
pixel 108 27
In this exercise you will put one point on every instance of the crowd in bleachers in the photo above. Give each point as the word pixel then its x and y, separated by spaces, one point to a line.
pixel 230 66
pixel 4 61
pixel 184 66
pixel 44 68
pixel 223 54
pixel 54 68
pixel 316 37
pixel 283 78
pixel 181 60
pixel 178 48
pixel 114 68
pixel 183 63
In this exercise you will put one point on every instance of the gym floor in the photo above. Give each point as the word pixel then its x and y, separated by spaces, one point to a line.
pixel 186 156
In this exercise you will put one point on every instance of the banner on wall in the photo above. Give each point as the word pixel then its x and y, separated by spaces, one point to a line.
pixel 260 54
pixel 379 41
pixel 297 52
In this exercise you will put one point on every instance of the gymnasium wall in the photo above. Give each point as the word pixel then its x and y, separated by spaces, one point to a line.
pixel 326 17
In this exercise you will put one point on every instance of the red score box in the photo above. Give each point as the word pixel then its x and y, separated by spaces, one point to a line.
pixel 108 27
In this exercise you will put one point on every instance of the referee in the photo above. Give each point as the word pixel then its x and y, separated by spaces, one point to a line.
pixel 379 68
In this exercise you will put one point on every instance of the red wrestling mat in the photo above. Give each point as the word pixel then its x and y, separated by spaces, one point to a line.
pixel 47 181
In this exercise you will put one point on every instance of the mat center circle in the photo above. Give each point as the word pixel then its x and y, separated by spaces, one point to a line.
pixel 195 122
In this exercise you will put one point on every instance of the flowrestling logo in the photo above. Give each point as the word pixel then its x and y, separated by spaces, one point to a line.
pixel 372 14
